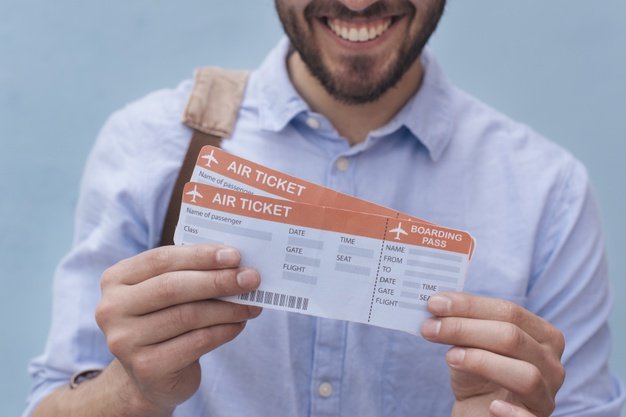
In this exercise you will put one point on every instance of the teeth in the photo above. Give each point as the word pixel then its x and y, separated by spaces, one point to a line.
pixel 354 35
pixel 358 33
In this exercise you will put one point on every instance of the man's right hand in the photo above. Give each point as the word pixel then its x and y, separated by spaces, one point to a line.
pixel 160 314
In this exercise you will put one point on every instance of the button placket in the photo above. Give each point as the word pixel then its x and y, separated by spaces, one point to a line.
pixel 328 367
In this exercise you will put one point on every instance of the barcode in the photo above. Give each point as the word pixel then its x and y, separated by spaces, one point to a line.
pixel 272 298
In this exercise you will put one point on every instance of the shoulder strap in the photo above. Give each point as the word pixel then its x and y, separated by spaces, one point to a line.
pixel 211 112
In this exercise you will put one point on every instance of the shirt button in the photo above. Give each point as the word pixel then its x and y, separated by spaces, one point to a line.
pixel 326 390
pixel 342 164
pixel 313 123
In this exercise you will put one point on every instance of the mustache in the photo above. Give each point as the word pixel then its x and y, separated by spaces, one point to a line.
pixel 337 10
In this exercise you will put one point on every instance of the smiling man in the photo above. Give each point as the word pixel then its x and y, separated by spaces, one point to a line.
pixel 352 100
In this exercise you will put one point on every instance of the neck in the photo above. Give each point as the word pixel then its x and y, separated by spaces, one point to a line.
pixel 354 122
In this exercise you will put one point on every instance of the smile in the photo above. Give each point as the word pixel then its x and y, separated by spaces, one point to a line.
pixel 359 31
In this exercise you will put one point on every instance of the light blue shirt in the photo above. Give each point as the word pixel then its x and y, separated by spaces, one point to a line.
pixel 445 157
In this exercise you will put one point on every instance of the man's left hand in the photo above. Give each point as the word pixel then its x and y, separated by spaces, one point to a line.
pixel 505 361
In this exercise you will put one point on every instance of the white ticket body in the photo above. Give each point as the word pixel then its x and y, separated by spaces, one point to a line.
pixel 329 262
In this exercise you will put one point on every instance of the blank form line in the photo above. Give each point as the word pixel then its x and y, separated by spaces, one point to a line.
pixel 302 260
pixel 407 294
pixel 432 277
pixel 352 269
pixel 354 251
pixel 230 229
pixel 412 306
pixel 306 243
pixel 433 265
pixel 411 284
pixel 438 255
pixel 306 279
pixel 189 238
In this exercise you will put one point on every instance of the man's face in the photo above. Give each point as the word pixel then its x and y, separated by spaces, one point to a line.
pixel 358 49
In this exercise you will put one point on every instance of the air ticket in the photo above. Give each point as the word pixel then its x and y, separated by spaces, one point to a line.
pixel 224 170
pixel 329 262
pixel 221 169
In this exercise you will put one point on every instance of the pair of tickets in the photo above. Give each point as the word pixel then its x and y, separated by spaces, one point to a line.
pixel 320 252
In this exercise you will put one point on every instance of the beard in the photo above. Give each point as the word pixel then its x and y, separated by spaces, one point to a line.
pixel 362 78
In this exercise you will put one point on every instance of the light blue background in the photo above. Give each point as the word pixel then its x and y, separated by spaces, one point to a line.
pixel 557 65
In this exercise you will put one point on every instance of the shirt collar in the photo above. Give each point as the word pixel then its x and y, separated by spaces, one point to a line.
pixel 426 115
pixel 279 102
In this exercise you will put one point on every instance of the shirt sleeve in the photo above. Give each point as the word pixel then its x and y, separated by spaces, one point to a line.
pixel 110 225
pixel 570 288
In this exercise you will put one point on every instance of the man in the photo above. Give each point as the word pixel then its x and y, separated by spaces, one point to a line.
pixel 352 102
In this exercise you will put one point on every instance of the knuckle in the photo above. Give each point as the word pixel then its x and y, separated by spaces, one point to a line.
pixel 230 331
pixel 118 343
pixel 549 404
pixel 242 312
pixel 142 365
pixel 475 361
pixel 184 316
pixel 204 338
pixel 105 311
pixel 533 381
pixel 166 287
pixel 456 327
pixel 556 374
pixel 222 281
pixel 510 311
pixel 205 252
pixel 212 337
pixel 559 341
pixel 108 278
pixel 560 375
pixel 513 337
pixel 161 258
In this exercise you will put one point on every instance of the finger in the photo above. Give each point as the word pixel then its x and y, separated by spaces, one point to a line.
pixel 495 336
pixel 182 287
pixel 521 378
pixel 472 306
pixel 499 408
pixel 171 258
pixel 176 354
pixel 171 322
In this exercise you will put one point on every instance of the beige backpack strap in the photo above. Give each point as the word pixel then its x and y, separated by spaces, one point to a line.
pixel 212 112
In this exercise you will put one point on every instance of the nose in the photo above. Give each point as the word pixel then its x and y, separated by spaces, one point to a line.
pixel 358 5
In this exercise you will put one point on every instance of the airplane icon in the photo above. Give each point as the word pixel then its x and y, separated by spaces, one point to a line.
pixel 194 193
pixel 209 158
pixel 399 231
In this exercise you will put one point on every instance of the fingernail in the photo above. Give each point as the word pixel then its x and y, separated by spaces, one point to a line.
pixel 431 328
pixel 500 408
pixel 455 356
pixel 439 304
pixel 248 279
pixel 227 256
pixel 254 311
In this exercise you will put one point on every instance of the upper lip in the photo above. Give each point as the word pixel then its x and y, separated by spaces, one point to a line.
pixel 393 17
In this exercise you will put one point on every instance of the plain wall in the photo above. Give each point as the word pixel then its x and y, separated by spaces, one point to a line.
pixel 559 66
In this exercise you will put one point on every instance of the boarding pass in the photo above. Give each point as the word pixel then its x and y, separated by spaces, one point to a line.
pixel 329 262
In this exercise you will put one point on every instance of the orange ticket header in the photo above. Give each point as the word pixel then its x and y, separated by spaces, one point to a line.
pixel 328 218
pixel 286 186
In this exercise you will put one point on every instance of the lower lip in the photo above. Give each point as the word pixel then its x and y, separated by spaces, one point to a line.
pixel 356 46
